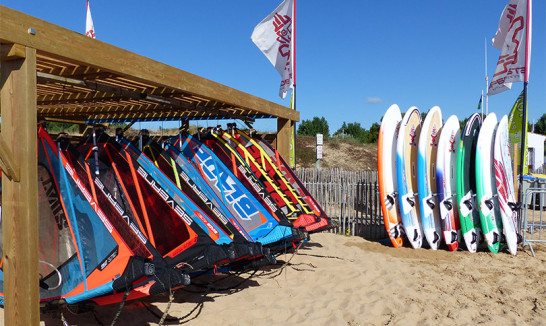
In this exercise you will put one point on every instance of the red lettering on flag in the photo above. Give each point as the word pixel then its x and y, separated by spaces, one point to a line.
pixel 283 29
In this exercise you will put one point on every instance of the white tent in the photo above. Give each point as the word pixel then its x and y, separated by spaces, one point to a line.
pixel 535 146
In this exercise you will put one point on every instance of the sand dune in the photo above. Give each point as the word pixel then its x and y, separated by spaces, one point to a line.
pixel 339 280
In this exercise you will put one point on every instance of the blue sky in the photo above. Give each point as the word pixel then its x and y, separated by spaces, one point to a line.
pixel 354 58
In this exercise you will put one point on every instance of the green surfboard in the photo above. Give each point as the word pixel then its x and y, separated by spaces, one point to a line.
pixel 469 212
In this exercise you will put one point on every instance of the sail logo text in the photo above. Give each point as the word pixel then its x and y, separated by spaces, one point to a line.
pixel 88 196
pixel 232 194
pixel 121 211
pixel 168 199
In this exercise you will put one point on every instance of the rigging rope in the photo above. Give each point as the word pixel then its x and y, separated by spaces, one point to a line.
pixel 171 298
pixel 120 307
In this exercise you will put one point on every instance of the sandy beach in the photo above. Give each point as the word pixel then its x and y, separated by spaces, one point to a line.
pixel 340 280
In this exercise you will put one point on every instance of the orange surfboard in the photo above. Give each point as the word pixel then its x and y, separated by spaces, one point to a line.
pixel 386 167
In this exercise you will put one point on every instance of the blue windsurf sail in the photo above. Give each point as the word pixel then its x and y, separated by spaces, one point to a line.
pixel 171 230
pixel 82 254
pixel 162 277
pixel 251 215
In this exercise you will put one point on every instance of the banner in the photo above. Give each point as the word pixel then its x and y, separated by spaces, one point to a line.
pixel 513 38
pixel 514 131
pixel 89 27
pixel 273 36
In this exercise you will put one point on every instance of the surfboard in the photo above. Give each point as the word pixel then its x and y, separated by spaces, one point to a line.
pixel 469 212
pixel 426 172
pixel 406 169
pixel 446 174
pixel 386 167
pixel 505 185
pixel 486 184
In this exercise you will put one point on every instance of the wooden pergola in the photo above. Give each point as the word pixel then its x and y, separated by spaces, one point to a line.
pixel 50 72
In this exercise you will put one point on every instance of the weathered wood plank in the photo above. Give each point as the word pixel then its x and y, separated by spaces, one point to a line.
pixel 20 199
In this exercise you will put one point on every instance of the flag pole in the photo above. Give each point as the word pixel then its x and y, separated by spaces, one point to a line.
pixel 523 141
pixel 486 81
pixel 293 141
pixel 275 37
pixel 524 117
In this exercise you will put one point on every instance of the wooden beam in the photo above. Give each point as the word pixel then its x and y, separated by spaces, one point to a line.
pixel 284 129
pixel 20 199
pixel 11 52
pixel 58 41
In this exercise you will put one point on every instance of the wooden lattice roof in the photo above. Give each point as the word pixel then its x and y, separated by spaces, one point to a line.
pixel 85 80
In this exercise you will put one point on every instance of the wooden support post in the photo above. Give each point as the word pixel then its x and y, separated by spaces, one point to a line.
pixel 284 128
pixel 20 199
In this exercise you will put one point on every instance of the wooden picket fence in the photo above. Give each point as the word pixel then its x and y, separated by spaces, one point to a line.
pixel 352 198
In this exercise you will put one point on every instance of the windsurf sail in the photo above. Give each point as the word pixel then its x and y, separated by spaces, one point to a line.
pixel 249 213
pixel 231 159
pixel 188 179
pixel 172 230
pixel 281 199
pixel 163 277
pixel 266 170
pixel 271 154
pixel 82 253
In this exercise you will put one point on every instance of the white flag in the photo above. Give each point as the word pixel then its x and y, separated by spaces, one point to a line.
pixel 273 36
pixel 89 27
pixel 513 38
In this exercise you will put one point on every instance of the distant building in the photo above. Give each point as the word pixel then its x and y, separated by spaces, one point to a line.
pixel 535 148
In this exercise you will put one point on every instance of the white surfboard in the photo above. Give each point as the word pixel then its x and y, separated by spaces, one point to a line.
pixel 406 163
pixel 426 172
pixel 505 185
pixel 446 174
